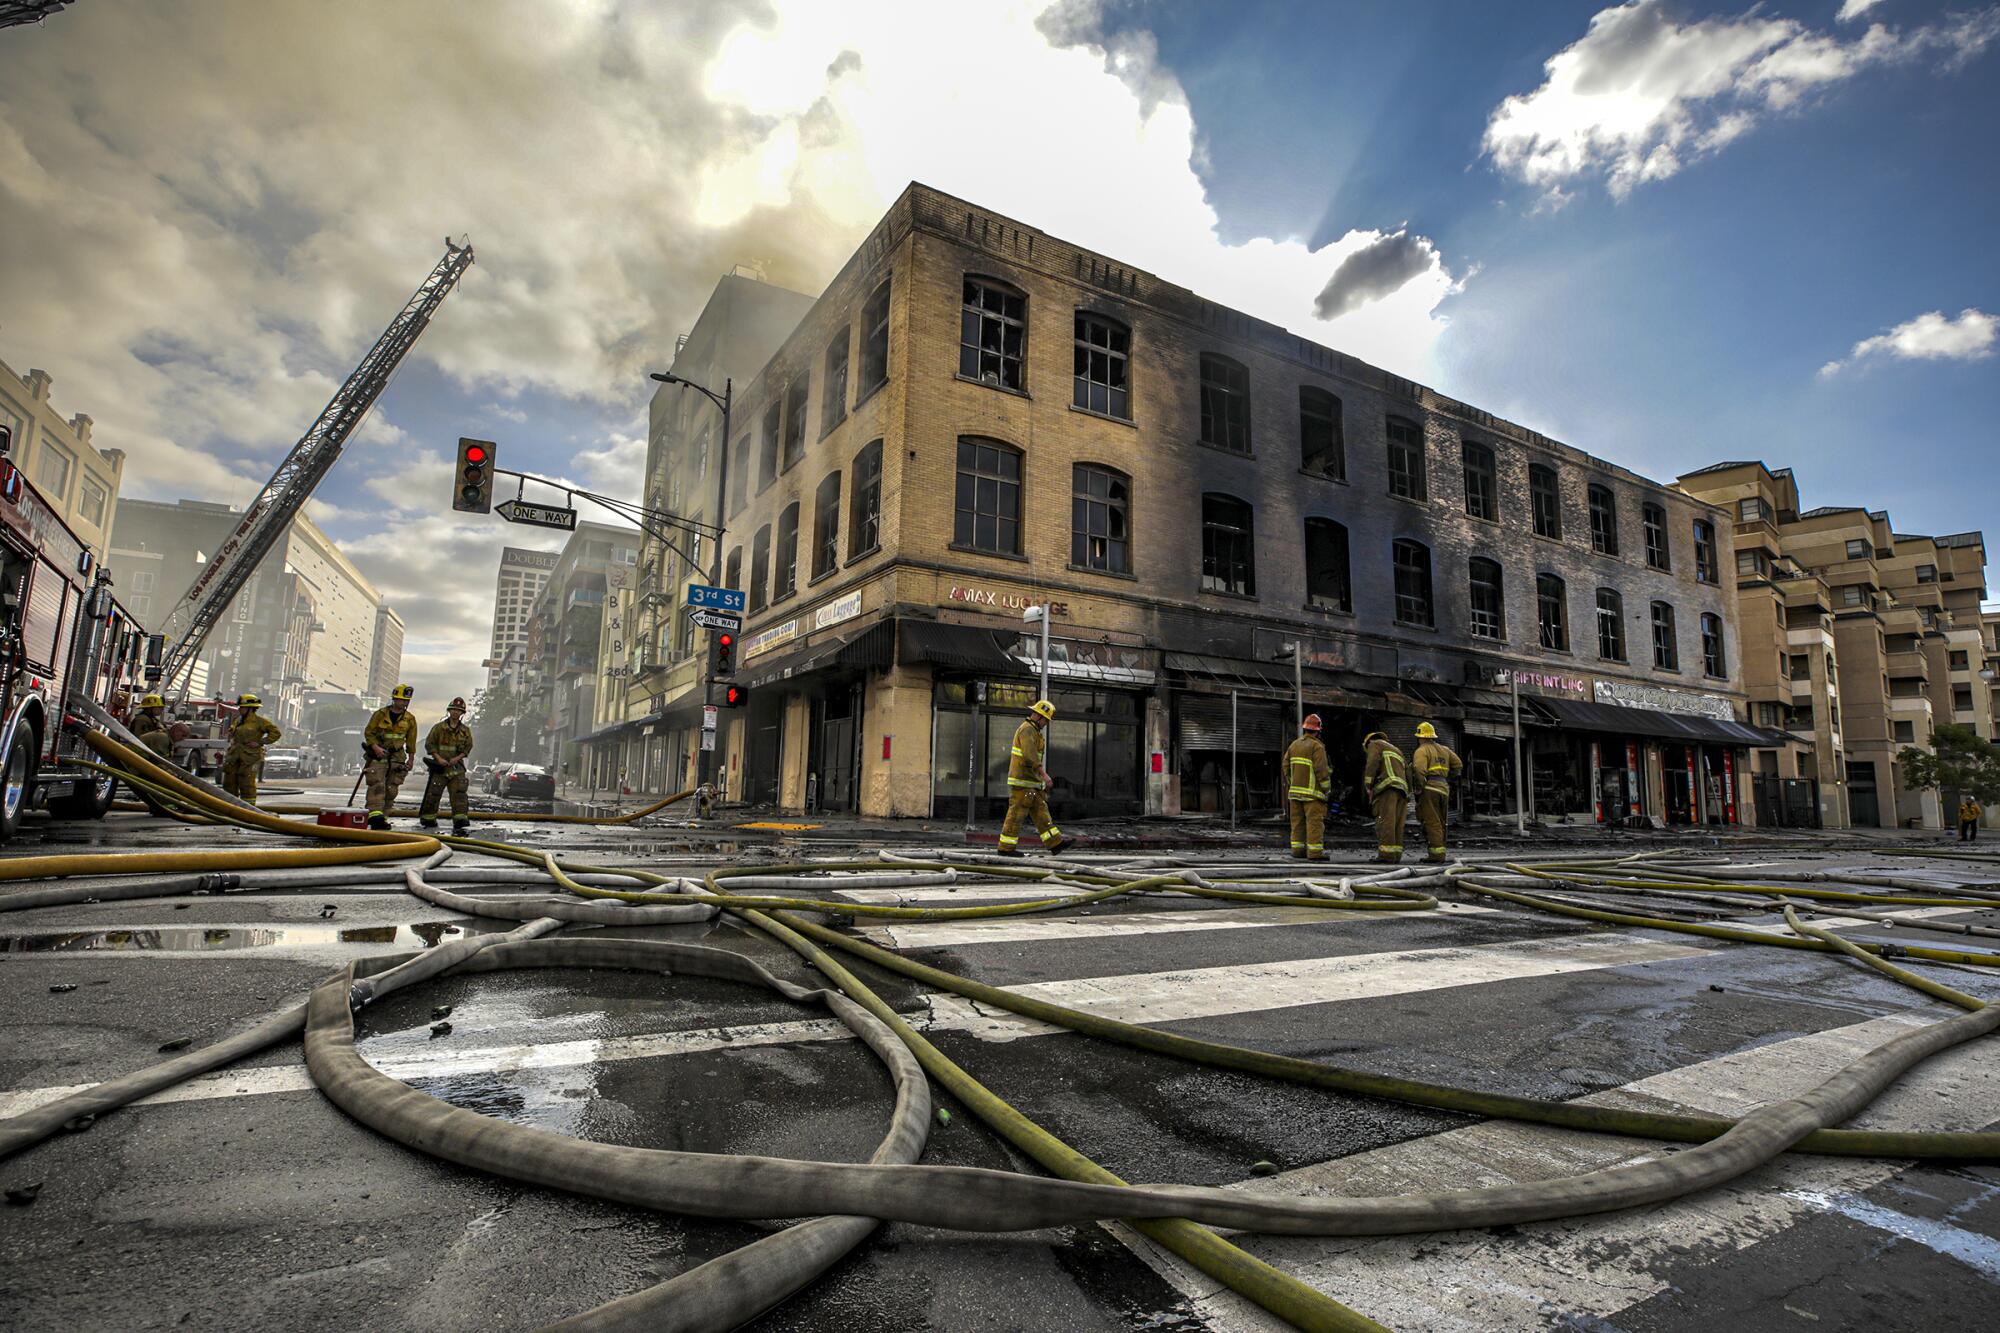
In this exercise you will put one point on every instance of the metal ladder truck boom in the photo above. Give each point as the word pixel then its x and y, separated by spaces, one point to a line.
pixel 270 515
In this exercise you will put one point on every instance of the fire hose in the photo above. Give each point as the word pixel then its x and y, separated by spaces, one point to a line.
pixel 851 1199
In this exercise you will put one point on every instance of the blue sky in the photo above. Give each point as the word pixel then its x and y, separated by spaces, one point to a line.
pixel 1666 233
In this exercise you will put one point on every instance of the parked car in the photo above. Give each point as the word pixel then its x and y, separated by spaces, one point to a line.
pixel 479 774
pixel 527 782
pixel 284 763
pixel 493 776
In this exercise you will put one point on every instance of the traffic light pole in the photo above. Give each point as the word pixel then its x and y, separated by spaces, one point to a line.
pixel 705 758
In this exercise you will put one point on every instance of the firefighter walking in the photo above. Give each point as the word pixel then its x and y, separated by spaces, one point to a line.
pixel 1027 784
pixel 445 749
pixel 1388 788
pixel 1435 766
pixel 390 740
pixel 244 759
pixel 1309 783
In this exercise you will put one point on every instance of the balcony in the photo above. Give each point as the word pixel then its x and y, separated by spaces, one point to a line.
pixel 1909 664
pixel 578 664
pixel 583 597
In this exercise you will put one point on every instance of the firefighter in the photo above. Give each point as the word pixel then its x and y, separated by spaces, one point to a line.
pixel 1389 789
pixel 445 749
pixel 244 759
pixel 390 740
pixel 1968 818
pixel 1435 766
pixel 1027 781
pixel 150 725
pixel 1309 783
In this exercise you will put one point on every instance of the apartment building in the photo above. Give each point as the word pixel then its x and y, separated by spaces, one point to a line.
pixel 55 453
pixel 1858 641
pixel 564 629
pixel 385 666
pixel 976 417
pixel 515 587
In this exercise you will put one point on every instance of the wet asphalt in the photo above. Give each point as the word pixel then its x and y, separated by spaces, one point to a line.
pixel 258 1204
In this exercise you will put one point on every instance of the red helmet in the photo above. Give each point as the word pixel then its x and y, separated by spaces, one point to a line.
pixel 1311 722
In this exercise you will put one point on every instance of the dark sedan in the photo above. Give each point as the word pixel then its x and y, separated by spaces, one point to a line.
pixel 525 782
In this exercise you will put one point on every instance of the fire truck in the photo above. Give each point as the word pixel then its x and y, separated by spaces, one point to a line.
pixel 64 640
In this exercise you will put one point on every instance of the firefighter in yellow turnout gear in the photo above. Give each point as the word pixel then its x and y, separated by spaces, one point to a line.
pixel 445 749
pixel 1027 783
pixel 1388 787
pixel 1308 784
pixel 390 740
pixel 244 759
pixel 150 725
pixel 1435 766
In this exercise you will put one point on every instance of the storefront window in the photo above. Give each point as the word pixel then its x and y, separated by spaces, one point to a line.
pixel 1093 753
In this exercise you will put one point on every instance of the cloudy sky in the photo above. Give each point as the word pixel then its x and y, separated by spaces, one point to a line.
pixel 1668 233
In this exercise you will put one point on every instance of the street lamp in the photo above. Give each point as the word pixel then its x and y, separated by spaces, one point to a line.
pixel 1295 650
pixel 704 764
pixel 1030 616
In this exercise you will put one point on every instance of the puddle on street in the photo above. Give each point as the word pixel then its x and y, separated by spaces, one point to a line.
pixel 200 939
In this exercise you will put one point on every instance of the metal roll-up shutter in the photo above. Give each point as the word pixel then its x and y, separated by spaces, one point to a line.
pixel 1204 723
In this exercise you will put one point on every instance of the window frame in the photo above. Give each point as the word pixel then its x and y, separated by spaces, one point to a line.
pixel 1602 503
pixel 1477 460
pixel 1415 470
pixel 864 516
pixel 1336 560
pixel 770 437
pixel 1707 558
pixel 1666 638
pixel 1474 587
pixel 1225 402
pixel 826 534
pixel 1611 645
pixel 1117 510
pixel 874 343
pixel 798 398
pixel 833 393
pixel 760 570
pixel 974 317
pixel 1117 365
pixel 1216 528
pixel 1551 612
pixel 1550 497
pixel 964 539
pixel 785 558
pixel 1653 524
pixel 1714 652
pixel 1334 429
pixel 1421 594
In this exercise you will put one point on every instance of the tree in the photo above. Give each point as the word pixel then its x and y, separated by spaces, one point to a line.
pixel 1958 760
pixel 492 739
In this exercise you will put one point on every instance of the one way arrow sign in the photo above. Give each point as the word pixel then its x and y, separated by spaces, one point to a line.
pixel 541 516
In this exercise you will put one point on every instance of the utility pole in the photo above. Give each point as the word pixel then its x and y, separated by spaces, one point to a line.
pixel 1520 781
pixel 705 764
pixel 1041 613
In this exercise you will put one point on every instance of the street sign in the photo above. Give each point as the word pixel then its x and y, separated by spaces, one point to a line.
pixel 541 516
pixel 708 740
pixel 709 713
pixel 721 599
pixel 715 620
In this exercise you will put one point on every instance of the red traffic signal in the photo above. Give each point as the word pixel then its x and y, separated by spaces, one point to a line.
pixel 721 656
pixel 734 696
pixel 472 490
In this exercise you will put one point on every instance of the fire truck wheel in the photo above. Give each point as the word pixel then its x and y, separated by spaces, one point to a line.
pixel 91 802
pixel 17 780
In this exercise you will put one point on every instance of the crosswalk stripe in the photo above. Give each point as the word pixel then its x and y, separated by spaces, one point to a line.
pixel 1144 997
pixel 1589 1269
pixel 945 934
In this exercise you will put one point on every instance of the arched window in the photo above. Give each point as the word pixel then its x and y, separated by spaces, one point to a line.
pixel 1545 494
pixel 796 395
pixel 864 525
pixel 1552 612
pixel 1225 404
pixel 1482 481
pixel 826 526
pixel 767 444
pixel 1103 351
pixel 1666 649
pixel 993 334
pixel 1408 476
pixel 1713 661
pixel 1704 551
pixel 1413 583
pixel 988 509
pixel 1328 585
pixel 833 396
pixel 1488 599
pixel 1603 520
pixel 760 568
pixel 1228 546
pixel 739 479
pixel 874 342
pixel 1322 444
pixel 1654 518
pixel 1610 625
pixel 1100 507
pixel 732 569
pixel 786 580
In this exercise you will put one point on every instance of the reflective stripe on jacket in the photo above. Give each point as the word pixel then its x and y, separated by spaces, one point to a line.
pixel 1385 770
pixel 1307 773
pixel 392 733
pixel 250 733
pixel 1024 769
pixel 1436 765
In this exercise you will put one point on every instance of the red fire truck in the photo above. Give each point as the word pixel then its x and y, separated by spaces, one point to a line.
pixel 64 639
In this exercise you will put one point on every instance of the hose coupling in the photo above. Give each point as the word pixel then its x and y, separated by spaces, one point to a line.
pixel 218 882
pixel 1892 950
pixel 359 995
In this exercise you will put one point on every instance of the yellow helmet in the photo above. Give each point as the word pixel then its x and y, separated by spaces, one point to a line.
pixel 1045 710
pixel 403 692
pixel 1426 732
pixel 152 701
pixel 1373 736
pixel 248 701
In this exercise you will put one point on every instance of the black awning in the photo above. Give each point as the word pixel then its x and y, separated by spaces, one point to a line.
pixel 1687 728
pixel 1223 674
pixel 967 646
pixel 606 733
pixel 868 646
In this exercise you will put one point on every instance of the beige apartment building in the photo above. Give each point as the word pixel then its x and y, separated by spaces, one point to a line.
pixel 976 417
pixel 1858 640
pixel 55 453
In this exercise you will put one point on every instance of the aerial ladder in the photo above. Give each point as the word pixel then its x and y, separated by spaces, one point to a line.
pixel 269 517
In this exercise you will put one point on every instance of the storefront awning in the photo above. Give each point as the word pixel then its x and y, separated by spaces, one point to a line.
pixel 1223 674
pixel 868 646
pixel 967 646
pixel 1687 728
pixel 616 729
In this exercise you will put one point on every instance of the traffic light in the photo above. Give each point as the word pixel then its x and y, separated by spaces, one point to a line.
pixel 734 696
pixel 721 655
pixel 473 491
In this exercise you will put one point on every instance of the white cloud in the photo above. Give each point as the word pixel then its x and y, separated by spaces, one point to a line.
pixel 1932 336
pixel 1642 94
pixel 1851 10
pixel 617 468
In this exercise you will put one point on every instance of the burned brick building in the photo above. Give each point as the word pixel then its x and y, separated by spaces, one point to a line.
pixel 977 417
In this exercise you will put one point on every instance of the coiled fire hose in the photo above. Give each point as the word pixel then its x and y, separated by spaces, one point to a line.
pixel 853 1197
